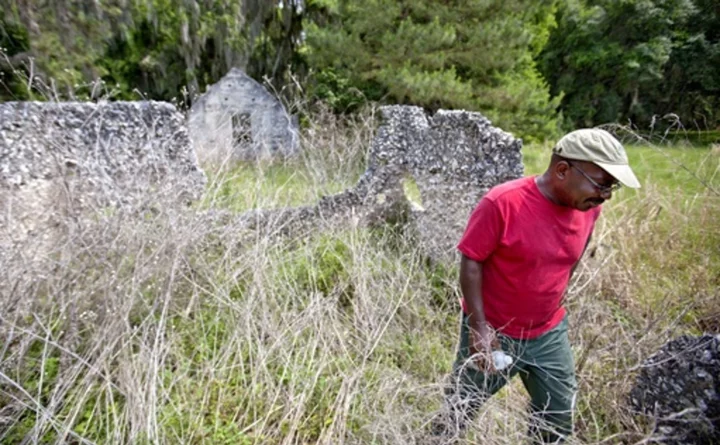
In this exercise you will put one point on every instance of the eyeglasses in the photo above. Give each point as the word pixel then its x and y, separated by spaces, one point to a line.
pixel 601 188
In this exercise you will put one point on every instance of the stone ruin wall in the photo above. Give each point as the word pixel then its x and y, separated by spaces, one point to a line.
pixel 237 119
pixel 61 160
pixel 454 157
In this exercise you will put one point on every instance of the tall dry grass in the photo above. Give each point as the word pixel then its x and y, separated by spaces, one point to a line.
pixel 177 327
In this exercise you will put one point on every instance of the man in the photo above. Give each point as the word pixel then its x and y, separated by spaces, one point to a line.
pixel 519 250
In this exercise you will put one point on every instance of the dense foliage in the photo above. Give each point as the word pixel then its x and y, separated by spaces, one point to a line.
pixel 531 67
pixel 459 54
pixel 159 49
pixel 636 60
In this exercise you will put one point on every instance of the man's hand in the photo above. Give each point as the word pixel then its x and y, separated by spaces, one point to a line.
pixel 482 342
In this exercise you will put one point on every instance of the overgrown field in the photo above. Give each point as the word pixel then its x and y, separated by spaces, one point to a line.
pixel 165 329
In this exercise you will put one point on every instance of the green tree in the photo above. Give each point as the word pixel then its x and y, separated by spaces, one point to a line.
pixel 14 45
pixel 274 34
pixel 168 49
pixel 634 60
pixel 175 49
pixel 476 55
pixel 691 83
pixel 160 49
pixel 65 37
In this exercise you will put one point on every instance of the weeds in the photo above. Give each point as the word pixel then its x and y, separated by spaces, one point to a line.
pixel 172 328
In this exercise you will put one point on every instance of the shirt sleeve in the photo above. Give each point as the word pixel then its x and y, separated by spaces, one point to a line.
pixel 483 231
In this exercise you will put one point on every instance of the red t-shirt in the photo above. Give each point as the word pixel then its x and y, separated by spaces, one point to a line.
pixel 527 246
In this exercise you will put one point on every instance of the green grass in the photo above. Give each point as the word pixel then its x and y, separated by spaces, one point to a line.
pixel 269 185
pixel 195 334
pixel 692 138
pixel 692 170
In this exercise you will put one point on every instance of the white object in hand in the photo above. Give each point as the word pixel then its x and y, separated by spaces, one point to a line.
pixel 501 360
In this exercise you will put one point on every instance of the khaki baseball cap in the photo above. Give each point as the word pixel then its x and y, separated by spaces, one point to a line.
pixel 602 149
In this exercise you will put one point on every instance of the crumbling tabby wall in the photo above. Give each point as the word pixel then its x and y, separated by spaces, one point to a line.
pixel 458 158
pixel 58 160
pixel 454 158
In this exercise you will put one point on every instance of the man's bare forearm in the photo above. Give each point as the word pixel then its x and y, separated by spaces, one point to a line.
pixel 482 336
pixel 471 284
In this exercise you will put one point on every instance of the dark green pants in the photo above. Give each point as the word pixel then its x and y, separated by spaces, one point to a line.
pixel 547 370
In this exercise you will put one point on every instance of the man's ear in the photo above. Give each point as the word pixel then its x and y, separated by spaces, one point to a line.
pixel 562 169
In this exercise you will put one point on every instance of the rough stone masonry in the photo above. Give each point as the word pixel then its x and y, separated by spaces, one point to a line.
pixel 454 157
pixel 60 159
pixel 679 388
pixel 238 119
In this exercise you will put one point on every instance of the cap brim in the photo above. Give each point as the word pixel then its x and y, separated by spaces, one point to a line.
pixel 622 173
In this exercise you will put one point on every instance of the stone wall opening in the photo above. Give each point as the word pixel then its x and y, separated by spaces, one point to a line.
pixel 241 129
pixel 429 171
